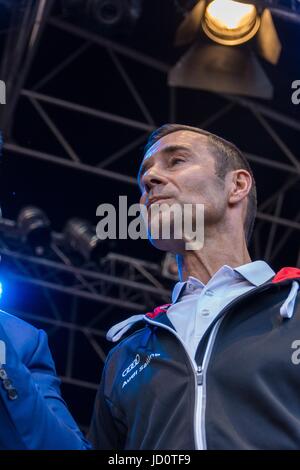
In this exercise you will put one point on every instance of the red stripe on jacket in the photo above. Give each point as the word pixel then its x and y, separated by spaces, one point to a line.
pixel 286 273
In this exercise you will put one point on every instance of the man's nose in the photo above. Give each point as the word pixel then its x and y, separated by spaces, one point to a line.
pixel 152 178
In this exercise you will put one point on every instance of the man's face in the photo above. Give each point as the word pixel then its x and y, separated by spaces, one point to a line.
pixel 180 168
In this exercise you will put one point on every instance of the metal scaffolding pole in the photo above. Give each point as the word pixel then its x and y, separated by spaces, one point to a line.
pixel 89 111
pixel 83 167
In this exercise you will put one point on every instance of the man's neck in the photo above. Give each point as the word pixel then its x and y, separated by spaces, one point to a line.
pixel 204 263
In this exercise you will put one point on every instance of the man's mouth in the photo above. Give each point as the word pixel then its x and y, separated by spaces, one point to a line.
pixel 156 200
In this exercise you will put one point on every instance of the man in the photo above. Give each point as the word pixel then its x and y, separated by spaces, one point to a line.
pixel 218 368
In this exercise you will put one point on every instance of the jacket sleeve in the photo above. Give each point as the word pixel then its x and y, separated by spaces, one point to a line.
pixel 107 430
pixel 30 394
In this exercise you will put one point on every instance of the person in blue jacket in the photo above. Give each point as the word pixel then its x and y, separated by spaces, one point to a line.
pixel 33 414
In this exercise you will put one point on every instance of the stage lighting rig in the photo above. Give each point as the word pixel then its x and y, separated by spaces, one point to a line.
pixel 35 228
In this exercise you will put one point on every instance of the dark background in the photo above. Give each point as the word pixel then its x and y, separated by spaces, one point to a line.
pixel 93 80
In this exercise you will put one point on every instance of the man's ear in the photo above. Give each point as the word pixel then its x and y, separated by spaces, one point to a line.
pixel 240 185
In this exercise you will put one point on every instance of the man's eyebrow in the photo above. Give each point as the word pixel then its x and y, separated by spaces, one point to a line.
pixel 168 150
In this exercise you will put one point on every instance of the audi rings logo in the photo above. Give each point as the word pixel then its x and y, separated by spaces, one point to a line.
pixel 132 365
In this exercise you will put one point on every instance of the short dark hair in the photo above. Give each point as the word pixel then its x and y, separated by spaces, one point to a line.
pixel 227 158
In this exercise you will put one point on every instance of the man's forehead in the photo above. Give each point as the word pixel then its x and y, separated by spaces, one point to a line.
pixel 182 137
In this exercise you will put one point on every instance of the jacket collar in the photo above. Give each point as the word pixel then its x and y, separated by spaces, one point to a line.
pixel 256 272
pixel 158 314
pixel 266 275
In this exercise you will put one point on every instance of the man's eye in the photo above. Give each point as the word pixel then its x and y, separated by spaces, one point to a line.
pixel 176 160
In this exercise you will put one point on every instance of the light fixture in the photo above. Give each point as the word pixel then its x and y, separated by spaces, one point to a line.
pixel 107 16
pixel 226 37
pixel 229 22
pixel 81 236
pixel 34 227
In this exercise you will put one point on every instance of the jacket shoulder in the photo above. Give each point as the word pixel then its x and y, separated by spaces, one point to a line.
pixel 24 337
pixel 133 338
pixel 12 322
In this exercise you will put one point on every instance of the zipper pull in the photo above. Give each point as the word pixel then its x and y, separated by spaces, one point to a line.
pixel 199 375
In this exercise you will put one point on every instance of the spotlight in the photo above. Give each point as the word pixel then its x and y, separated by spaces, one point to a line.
pixel 169 267
pixel 108 16
pixel 106 12
pixel 81 236
pixel 229 22
pixel 34 227
pixel 114 15
pixel 217 67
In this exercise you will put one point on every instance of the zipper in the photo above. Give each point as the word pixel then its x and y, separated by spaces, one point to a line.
pixel 197 372
pixel 205 363
pixel 199 375
pixel 209 348
pixel 198 403
pixel 200 371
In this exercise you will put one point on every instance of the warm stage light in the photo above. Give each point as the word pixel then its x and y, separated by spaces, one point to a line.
pixel 216 67
pixel 230 23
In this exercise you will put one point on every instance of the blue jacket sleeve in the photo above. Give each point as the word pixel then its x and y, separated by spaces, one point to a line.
pixel 36 417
